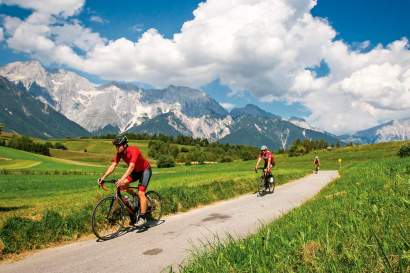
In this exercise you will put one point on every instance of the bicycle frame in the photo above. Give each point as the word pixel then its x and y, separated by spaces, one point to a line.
pixel 118 196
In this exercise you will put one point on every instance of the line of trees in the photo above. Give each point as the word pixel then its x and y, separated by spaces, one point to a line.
pixel 167 153
pixel 27 144
pixel 300 147
pixel 180 139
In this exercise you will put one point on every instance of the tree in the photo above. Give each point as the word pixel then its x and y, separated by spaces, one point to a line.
pixel 2 126
pixel 165 161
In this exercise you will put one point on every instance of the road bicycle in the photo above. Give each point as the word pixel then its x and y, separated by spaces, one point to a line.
pixel 266 184
pixel 111 212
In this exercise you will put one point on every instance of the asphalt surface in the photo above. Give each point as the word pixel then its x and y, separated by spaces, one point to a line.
pixel 171 242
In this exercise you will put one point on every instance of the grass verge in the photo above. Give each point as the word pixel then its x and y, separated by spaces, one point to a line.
pixel 360 223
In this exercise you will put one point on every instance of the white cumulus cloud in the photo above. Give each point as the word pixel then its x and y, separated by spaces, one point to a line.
pixel 267 47
pixel 1 34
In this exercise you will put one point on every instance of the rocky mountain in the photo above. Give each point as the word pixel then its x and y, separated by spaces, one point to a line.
pixel 390 131
pixel 23 113
pixel 253 126
pixel 117 107
pixel 251 110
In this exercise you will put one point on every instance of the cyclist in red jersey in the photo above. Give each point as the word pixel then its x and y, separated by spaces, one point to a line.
pixel 138 169
pixel 316 162
pixel 269 159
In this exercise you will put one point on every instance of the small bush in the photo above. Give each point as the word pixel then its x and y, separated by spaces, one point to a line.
pixel 184 150
pixel 60 146
pixel 404 150
pixel 226 159
pixel 165 162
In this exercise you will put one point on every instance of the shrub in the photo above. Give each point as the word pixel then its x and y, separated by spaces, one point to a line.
pixel 248 155
pixel 297 150
pixel 165 162
pixel 60 146
pixel 184 150
pixel 404 150
pixel 226 159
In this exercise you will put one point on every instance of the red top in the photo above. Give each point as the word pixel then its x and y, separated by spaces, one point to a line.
pixel 133 155
pixel 266 155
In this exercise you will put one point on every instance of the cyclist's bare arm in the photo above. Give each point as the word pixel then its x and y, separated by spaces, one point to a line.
pixel 257 163
pixel 109 170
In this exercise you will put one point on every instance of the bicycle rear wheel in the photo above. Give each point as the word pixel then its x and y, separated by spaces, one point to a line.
pixel 108 218
pixel 271 185
pixel 154 209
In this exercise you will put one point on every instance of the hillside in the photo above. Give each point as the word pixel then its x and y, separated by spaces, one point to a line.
pixel 22 113
pixel 253 126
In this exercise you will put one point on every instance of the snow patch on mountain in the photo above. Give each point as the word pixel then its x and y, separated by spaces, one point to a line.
pixel 258 128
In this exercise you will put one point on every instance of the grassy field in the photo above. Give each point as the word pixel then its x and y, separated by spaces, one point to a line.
pixel 360 223
pixel 38 191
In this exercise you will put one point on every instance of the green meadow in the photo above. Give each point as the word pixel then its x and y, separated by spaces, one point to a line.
pixel 57 194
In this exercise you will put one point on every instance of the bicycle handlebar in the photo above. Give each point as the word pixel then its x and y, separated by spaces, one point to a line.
pixel 109 181
pixel 101 185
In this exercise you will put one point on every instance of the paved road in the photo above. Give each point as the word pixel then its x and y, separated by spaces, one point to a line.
pixel 169 243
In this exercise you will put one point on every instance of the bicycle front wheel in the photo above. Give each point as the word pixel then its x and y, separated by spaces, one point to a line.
pixel 108 218
pixel 261 186
pixel 154 210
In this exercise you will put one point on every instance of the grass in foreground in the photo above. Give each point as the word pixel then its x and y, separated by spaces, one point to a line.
pixel 360 223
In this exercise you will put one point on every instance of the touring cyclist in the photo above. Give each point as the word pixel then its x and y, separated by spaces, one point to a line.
pixel 268 158
pixel 316 163
pixel 138 169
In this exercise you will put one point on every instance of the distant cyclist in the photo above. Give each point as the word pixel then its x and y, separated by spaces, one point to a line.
pixel 138 169
pixel 316 163
pixel 268 158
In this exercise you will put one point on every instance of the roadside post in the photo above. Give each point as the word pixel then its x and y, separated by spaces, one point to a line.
pixel 340 163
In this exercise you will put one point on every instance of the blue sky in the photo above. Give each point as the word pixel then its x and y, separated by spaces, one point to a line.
pixel 374 22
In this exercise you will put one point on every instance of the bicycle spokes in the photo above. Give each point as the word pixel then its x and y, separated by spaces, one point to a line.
pixel 108 218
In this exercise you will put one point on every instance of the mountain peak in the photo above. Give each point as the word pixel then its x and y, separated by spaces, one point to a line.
pixel 251 110
pixel 121 85
pixel 26 73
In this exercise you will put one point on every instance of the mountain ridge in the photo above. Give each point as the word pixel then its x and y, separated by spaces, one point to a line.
pixel 119 107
